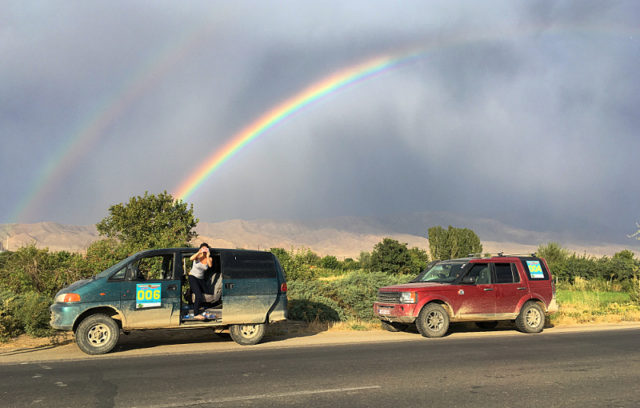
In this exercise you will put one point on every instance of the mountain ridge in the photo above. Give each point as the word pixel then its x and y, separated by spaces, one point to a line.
pixel 341 236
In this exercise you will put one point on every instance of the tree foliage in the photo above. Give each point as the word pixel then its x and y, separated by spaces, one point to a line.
pixel 452 242
pixel 391 256
pixel 150 222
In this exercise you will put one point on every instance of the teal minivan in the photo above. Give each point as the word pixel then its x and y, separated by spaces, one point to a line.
pixel 148 290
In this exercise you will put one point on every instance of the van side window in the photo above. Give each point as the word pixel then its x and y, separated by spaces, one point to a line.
pixel 249 265
pixel 120 274
pixel 506 273
pixel 152 268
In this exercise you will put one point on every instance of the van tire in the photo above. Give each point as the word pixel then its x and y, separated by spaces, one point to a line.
pixel 247 334
pixel 531 318
pixel 97 334
pixel 433 321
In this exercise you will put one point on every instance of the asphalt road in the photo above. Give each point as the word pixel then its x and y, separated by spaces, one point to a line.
pixel 575 369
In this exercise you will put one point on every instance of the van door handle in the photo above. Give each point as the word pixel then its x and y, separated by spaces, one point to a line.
pixel 522 288
pixel 488 289
pixel 228 285
pixel 172 287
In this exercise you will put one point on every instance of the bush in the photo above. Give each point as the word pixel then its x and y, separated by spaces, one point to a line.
pixel 26 313
pixel 350 297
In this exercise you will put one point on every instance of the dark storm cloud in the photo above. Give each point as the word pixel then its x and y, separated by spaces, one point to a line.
pixel 523 113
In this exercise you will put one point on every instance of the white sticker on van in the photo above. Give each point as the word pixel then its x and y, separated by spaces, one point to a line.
pixel 535 269
pixel 148 295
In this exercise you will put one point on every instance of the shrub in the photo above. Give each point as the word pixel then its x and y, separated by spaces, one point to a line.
pixel 25 313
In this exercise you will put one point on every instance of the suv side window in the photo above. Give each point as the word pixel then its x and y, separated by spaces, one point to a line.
pixel 506 273
pixel 481 272
pixel 535 269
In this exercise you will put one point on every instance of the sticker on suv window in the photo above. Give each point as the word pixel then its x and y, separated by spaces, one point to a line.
pixel 148 295
pixel 535 269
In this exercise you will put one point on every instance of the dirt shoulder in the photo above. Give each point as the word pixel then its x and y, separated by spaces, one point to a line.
pixel 154 342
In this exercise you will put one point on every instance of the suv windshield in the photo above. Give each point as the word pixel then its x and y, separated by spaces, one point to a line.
pixel 443 272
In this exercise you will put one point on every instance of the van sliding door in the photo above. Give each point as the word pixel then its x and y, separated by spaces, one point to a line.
pixel 250 286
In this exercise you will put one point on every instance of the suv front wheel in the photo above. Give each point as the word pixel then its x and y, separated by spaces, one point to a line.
pixel 433 321
pixel 531 318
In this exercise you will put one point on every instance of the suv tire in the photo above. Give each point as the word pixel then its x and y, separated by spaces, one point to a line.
pixel 433 321
pixel 247 334
pixel 531 318
pixel 97 334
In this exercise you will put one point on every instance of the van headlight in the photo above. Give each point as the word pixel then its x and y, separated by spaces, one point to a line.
pixel 67 298
pixel 408 297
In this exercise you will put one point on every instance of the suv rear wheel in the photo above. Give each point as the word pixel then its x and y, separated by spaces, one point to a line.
pixel 433 321
pixel 531 318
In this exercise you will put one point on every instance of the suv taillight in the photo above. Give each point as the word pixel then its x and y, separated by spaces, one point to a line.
pixel 283 287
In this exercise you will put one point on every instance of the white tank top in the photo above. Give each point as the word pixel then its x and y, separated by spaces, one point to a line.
pixel 198 269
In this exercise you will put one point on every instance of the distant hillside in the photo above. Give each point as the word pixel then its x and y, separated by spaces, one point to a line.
pixel 342 237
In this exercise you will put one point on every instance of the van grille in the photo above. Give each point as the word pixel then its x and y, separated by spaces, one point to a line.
pixel 389 297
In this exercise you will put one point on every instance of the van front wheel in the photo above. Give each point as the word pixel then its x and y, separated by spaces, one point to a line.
pixel 247 334
pixel 97 334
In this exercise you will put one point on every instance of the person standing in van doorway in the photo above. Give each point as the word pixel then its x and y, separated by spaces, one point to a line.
pixel 201 262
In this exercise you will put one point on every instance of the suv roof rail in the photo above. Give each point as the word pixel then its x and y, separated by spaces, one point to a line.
pixel 523 254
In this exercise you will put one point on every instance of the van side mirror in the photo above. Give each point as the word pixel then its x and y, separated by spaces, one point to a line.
pixel 469 280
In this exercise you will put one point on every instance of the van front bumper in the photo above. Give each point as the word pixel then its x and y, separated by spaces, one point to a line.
pixel 393 312
pixel 63 315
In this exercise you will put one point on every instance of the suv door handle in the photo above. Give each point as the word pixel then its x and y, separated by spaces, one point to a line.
pixel 488 289
pixel 522 288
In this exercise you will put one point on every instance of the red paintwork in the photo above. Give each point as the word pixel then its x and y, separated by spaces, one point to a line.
pixel 476 302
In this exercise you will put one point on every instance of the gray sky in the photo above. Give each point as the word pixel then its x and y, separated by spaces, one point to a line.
pixel 523 112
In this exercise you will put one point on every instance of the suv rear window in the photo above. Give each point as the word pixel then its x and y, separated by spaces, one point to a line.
pixel 535 269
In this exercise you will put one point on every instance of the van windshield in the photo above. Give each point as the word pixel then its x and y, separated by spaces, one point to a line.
pixel 443 272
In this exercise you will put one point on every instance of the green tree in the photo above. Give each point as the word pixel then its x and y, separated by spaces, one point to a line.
pixel 452 242
pixel 330 262
pixel 419 259
pixel 553 253
pixel 150 222
pixel 390 256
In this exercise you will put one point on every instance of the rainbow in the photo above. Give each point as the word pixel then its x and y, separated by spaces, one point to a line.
pixel 112 106
pixel 307 96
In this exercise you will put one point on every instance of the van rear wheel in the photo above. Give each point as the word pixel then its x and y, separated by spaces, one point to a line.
pixel 97 334
pixel 247 334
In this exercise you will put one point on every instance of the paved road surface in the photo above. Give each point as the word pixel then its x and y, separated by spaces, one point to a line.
pixel 567 369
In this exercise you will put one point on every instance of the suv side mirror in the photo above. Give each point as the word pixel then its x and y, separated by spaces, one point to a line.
pixel 470 280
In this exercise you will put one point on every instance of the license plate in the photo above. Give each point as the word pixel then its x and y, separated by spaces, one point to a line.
pixel 384 311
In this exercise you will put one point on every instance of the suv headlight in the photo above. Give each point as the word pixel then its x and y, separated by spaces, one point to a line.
pixel 408 297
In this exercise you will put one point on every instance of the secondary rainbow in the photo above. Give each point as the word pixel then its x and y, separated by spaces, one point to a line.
pixel 316 91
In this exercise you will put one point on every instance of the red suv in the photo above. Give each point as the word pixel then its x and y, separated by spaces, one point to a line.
pixel 481 290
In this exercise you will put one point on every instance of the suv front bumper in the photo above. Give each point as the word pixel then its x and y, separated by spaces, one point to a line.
pixel 393 312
